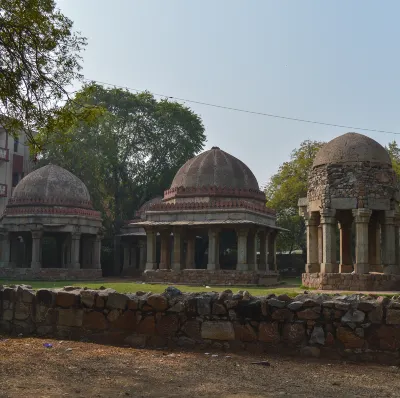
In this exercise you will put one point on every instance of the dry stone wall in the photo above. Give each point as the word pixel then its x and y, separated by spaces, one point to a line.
pixel 357 327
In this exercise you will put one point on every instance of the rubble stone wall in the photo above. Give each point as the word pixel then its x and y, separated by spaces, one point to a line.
pixel 349 282
pixel 206 277
pixel 60 274
pixel 355 327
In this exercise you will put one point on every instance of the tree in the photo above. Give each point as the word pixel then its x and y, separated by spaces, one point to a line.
pixel 394 153
pixel 129 153
pixel 284 190
pixel 39 59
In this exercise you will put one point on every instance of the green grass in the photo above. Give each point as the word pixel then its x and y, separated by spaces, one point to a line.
pixel 290 286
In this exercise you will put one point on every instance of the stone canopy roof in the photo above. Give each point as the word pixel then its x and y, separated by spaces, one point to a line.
pixel 352 147
pixel 51 190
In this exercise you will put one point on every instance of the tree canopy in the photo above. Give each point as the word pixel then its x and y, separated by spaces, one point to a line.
pixel 284 190
pixel 394 153
pixel 128 154
pixel 39 59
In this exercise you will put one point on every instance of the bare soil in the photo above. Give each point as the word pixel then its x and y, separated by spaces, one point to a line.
pixel 76 369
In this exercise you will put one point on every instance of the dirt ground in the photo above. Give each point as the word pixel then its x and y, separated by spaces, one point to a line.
pixel 75 369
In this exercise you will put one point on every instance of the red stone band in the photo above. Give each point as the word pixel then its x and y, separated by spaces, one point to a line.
pixel 13 202
pixel 66 211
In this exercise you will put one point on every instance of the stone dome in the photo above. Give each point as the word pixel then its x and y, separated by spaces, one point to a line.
pixel 51 185
pixel 215 168
pixel 146 205
pixel 352 147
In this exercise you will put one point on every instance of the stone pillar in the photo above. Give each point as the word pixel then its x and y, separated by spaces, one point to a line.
pixel 190 251
pixel 346 261
pixel 388 244
pixel 361 219
pixel 97 253
pixel 213 249
pixel 127 256
pixel 36 250
pixel 75 251
pixel 142 255
pixel 320 245
pixel 374 243
pixel 5 250
pixel 272 264
pixel 242 264
pixel 151 262
pixel 165 256
pixel 328 222
pixel 178 250
pixel 252 250
pixel 264 237
pixel 312 223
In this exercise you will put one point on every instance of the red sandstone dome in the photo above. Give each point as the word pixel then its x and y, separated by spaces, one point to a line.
pixel 352 147
pixel 214 173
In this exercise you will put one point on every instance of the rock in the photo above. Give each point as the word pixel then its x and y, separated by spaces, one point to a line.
pixel 133 302
pixel 269 332
pixel 203 305
pixel 126 321
pixel 317 336
pixel 237 296
pixel 353 316
pixel 359 332
pixel 7 315
pixel 294 333
pixel 313 352
pixel 342 306
pixel 147 326
pixel 46 297
pixel 69 317
pixel 177 307
pixel 394 304
pixel 100 302
pixel 27 296
pixel 330 339
pixel 393 317
pixel 22 311
pixel 273 302
pixel 88 298
pixel 295 305
pixel 285 298
pixel 244 332
pixel 349 338
pixel 383 300
pixel 309 302
pixel 117 301
pixel 168 325
pixel 173 291
pixel 328 304
pixel 366 306
pixel 282 314
pixel 94 321
pixel 71 288
pixel 218 309
pixel 231 304
pixel 376 315
pixel 309 313
pixel 192 329
pixel 67 299
pixel 113 315
pixel 225 295
pixel 157 302
pixel 219 330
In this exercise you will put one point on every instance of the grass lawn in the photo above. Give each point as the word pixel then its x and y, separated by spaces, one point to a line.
pixel 290 286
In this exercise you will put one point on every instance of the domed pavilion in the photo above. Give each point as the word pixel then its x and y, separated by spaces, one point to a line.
pixel 50 229
pixel 353 191
pixel 208 223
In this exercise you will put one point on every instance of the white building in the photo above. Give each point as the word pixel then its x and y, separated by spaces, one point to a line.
pixel 15 163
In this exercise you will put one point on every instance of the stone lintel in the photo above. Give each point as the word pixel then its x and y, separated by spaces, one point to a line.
pixel 328 216
pixel 343 203
pixel 361 215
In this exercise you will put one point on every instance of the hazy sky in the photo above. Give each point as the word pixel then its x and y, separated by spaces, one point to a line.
pixel 335 62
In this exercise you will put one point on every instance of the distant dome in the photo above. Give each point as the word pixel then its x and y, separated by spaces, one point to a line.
pixel 51 185
pixel 215 168
pixel 146 205
pixel 352 147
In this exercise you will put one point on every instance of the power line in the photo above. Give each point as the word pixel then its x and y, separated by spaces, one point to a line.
pixel 248 111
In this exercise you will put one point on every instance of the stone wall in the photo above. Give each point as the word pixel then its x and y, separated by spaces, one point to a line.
pixel 355 327
pixel 354 180
pixel 349 282
pixel 60 274
pixel 206 277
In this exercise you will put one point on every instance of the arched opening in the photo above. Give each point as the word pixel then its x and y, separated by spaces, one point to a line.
pixel 228 249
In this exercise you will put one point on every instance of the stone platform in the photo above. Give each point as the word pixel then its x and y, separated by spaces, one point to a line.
pixel 206 277
pixel 352 282
pixel 53 274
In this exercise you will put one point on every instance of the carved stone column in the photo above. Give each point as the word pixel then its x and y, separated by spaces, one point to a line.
pixel 75 251
pixel 345 232
pixel 320 245
pixel 178 250
pixel 213 249
pixel 142 255
pixel 242 264
pixel 328 222
pixel 36 250
pixel 151 262
pixel 165 249
pixel 312 223
pixel 272 264
pixel 361 219
pixel 388 243
pixel 5 250
pixel 97 253
pixel 252 250
pixel 374 244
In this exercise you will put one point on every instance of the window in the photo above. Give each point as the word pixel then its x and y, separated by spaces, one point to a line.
pixel 16 142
